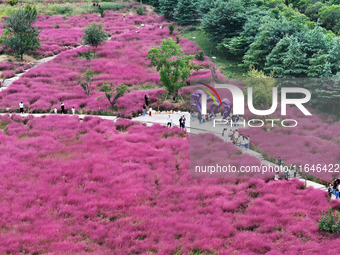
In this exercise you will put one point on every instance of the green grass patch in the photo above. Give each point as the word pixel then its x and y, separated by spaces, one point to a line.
pixel 228 67
pixel 7 10
pixel 74 9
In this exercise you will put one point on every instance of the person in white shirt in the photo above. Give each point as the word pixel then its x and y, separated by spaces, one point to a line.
pixel 55 110
pixel 21 106
pixel 150 111
pixel 73 111
pixel 236 136
pixel 231 135
pixel 169 121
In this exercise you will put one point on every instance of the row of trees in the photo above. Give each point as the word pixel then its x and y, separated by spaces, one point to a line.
pixel 183 11
pixel 269 36
pixel 287 47
pixel 265 34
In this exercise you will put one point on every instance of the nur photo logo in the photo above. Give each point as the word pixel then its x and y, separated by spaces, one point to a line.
pixel 202 98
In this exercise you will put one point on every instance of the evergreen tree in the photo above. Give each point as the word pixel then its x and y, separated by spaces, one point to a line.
pixel 225 20
pixel 274 61
pixel 20 36
pixel 319 65
pixel 287 59
pixel 294 62
pixel 239 45
pixel 334 57
pixel 186 12
pixel 167 7
pixel 204 6
pixel 314 41
pixel 270 33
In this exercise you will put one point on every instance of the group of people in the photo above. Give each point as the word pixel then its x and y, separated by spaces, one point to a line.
pixel 55 110
pixel 97 4
pixel 236 138
pixel 202 118
pixel 334 189
pixel 182 120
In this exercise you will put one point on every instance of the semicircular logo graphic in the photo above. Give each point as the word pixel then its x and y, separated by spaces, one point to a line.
pixel 210 94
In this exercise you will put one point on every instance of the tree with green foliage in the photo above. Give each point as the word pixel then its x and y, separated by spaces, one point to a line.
pixel 186 12
pixel 225 20
pixel 167 7
pixel 312 10
pixel 20 36
pixel 204 6
pixel 171 29
pixel 270 33
pixel 172 65
pixel 330 17
pixel 86 81
pixel 262 86
pixel 239 45
pixel 94 35
pixel 334 56
pixel 295 62
pixel 319 65
pixel 287 59
pixel 113 93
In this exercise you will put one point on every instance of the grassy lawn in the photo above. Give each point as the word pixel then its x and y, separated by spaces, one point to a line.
pixel 68 8
pixel 229 67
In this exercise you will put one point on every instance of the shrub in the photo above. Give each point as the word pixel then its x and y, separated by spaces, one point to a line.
pixel 171 29
pixel 199 56
pixel 140 11
pixel 12 2
pixel 330 222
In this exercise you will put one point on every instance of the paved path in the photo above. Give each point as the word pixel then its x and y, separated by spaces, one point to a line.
pixel 9 81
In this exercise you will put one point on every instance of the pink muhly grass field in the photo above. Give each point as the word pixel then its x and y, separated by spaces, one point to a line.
pixel 97 187
pixel 123 59
pixel 315 140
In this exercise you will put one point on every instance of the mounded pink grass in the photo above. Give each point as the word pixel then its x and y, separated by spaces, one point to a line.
pixel 121 60
pixel 85 187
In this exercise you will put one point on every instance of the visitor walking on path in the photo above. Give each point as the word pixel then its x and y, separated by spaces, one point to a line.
pixel 62 106
pixel 55 110
pixel 169 122
pixel 146 98
pixel 236 136
pixel 150 111
pixel 200 118
pixel 279 163
pixel 180 122
pixel 183 121
pixel 21 106
pixel 73 111
pixel 144 110
pixel 330 190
